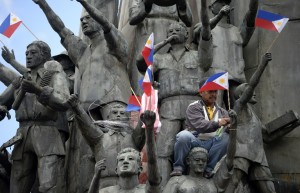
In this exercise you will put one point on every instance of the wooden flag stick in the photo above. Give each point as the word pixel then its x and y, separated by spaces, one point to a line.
pixel 228 95
pixel 273 42
pixel 2 43
pixel 135 96
pixel 30 30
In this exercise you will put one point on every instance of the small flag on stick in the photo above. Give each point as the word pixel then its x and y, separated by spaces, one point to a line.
pixel 9 25
pixel 217 81
pixel 148 50
pixel 270 21
pixel 133 103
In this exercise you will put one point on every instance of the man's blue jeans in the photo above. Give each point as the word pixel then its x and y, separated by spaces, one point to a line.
pixel 185 141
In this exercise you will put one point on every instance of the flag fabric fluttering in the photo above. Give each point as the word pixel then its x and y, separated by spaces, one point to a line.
pixel 270 21
pixel 147 81
pixel 148 50
pixel 9 25
pixel 217 81
pixel 134 103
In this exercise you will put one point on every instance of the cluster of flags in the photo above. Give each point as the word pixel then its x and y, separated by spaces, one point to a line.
pixel 9 25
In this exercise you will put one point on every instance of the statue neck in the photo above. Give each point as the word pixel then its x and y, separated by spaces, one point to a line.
pixel 128 182
pixel 196 175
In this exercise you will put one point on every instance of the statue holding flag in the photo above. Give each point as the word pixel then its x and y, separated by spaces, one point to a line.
pixel 178 72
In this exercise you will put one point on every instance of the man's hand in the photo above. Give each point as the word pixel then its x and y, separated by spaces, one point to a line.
pixel 148 118
pixel 73 101
pixel 31 87
pixel 7 55
pixel 224 121
pixel 267 57
pixel 99 166
pixel 172 38
pixel 225 10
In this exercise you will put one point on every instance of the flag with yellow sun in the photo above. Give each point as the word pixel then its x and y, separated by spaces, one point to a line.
pixel 9 25
pixel 217 81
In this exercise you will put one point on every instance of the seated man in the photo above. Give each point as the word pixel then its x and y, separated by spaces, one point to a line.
pixel 205 126
pixel 197 160
pixel 129 166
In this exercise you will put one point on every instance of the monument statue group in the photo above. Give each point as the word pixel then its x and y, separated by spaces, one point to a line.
pixel 75 135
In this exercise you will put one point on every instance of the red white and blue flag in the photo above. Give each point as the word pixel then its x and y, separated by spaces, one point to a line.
pixel 134 103
pixel 270 21
pixel 147 81
pixel 148 50
pixel 9 25
pixel 217 81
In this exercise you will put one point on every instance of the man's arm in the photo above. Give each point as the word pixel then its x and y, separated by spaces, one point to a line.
pixel 215 20
pixel 154 179
pixel 139 136
pixel 248 26
pixel 254 80
pixel 137 16
pixel 10 58
pixel 205 47
pixel 95 183
pixel 7 75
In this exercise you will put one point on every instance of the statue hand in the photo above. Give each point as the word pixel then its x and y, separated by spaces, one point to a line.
pixel 156 85
pixel 73 100
pixel 30 87
pixel 99 166
pixel 172 38
pixel 3 112
pixel 267 57
pixel 7 55
pixel 225 10
pixel 233 116
pixel 148 118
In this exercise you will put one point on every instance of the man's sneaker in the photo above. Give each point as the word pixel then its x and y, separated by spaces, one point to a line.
pixel 176 172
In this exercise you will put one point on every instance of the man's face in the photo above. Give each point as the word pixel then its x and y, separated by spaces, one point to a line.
pixel 209 97
pixel 128 164
pixel 178 31
pixel 118 114
pixel 34 57
pixel 89 25
pixel 198 162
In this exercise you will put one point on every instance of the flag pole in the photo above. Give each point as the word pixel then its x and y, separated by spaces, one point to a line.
pixel 2 43
pixel 228 95
pixel 273 42
pixel 135 96
pixel 30 30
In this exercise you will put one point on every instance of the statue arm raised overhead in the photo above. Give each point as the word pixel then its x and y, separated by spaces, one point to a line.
pixel 138 136
pixel 9 57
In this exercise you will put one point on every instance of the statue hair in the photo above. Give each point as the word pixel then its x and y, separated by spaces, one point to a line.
pixel 43 47
pixel 196 150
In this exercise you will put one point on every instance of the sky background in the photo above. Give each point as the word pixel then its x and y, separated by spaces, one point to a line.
pixel 33 17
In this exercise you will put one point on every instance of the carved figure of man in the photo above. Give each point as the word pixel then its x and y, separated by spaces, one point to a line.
pixel 145 7
pixel 42 148
pixel 250 158
pixel 118 135
pixel 229 42
pixel 205 126
pixel 178 73
pixel 102 64
pixel 196 160
pixel 129 166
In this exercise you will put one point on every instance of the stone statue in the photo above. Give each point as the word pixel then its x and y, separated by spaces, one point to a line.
pixel 5 170
pixel 250 158
pixel 118 135
pixel 129 166
pixel 7 75
pixel 178 72
pixel 229 40
pixel 144 7
pixel 42 148
pixel 206 126
pixel 196 160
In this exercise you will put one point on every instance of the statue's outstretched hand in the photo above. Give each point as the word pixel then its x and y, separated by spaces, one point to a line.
pixel 267 57
pixel 99 166
pixel 148 118
pixel 73 100
pixel 7 55
pixel 3 112
pixel 225 10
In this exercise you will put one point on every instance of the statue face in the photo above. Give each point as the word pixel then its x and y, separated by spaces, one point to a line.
pixel 209 97
pixel 198 162
pixel 128 164
pixel 178 31
pixel 118 113
pixel 89 25
pixel 34 57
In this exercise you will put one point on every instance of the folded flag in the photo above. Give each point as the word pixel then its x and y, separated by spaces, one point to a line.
pixel 270 21
pixel 134 103
pixel 147 81
pixel 148 50
pixel 9 25
pixel 217 81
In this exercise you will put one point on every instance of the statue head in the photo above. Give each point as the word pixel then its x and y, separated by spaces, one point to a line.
pixel 180 30
pixel 197 160
pixel 37 53
pixel 88 25
pixel 240 90
pixel 216 5
pixel 117 112
pixel 129 162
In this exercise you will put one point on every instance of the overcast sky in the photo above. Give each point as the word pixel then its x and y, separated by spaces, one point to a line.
pixel 32 16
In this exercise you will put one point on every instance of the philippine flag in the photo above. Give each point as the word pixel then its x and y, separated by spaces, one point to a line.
pixel 270 21
pixel 9 25
pixel 148 50
pixel 134 103
pixel 147 81
pixel 217 81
